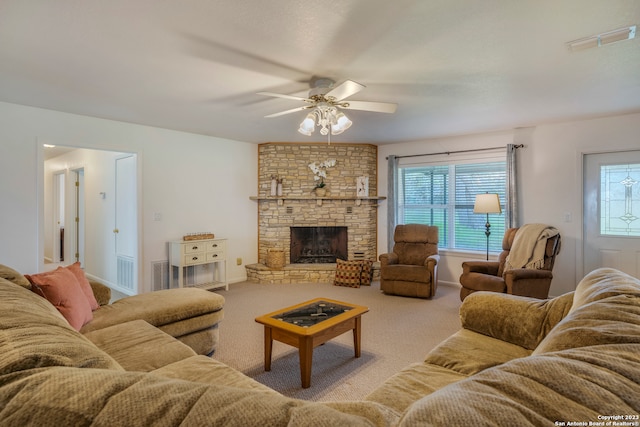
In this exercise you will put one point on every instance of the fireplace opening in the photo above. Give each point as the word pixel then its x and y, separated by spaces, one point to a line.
pixel 318 245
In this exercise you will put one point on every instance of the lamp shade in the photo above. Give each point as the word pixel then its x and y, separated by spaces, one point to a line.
pixel 308 125
pixel 487 203
pixel 342 123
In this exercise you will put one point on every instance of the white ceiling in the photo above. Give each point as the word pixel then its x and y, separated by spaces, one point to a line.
pixel 452 66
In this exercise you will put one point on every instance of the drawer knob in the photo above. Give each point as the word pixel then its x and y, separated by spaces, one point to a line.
pixel 214 255
pixel 215 245
pixel 195 248
pixel 195 258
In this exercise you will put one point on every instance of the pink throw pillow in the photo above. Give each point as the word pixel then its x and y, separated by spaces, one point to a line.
pixel 61 288
pixel 84 284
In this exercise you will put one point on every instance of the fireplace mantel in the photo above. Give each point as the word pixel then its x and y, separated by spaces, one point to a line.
pixel 281 199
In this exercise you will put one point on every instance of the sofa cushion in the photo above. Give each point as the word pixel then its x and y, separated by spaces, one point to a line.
pixel 78 272
pixel 204 369
pixel 518 320
pixel 12 275
pixel 468 352
pixel 367 272
pixel 61 288
pixel 162 309
pixel 606 310
pixel 348 273
pixel 105 398
pixel 138 346
pixel 33 334
pixel 603 283
pixel 575 385
pixel 413 383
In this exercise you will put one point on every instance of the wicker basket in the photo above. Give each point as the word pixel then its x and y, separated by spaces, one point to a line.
pixel 275 258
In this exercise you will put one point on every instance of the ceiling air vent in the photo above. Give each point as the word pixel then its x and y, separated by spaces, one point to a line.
pixel 621 34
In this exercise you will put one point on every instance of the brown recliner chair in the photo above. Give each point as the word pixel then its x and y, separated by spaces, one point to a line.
pixel 491 275
pixel 411 270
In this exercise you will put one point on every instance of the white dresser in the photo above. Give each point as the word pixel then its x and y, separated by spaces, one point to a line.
pixel 212 253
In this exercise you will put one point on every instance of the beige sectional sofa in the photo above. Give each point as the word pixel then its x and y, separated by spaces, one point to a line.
pixel 190 315
pixel 515 361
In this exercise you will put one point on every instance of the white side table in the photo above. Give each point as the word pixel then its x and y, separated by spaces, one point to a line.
pixel 212 252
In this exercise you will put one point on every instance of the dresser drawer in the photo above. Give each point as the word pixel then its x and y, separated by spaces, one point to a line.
pixel 215 256
pixel 216 246
pixel 195 258
pixel 190 248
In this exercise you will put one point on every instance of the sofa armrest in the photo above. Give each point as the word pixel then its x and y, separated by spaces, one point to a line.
pixel 518 320
pixel 528 282
pixel 101 292
pixel 386 259
pixel 484 267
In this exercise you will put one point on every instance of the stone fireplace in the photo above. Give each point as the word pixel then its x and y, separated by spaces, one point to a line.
pixel 299 207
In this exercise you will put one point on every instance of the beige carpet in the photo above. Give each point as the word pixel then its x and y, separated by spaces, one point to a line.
pixel 396 331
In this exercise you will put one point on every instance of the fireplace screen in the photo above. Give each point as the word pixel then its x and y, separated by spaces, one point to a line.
pixel 318 244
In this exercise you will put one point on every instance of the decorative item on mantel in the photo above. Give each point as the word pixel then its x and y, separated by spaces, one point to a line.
pixel 274 184
pixel 362 186
pixel 320 173
pixel 279 187
pixel 198 236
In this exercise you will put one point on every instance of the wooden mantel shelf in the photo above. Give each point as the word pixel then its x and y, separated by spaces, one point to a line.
pixel 281 199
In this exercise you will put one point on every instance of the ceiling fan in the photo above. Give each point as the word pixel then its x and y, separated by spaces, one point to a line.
pixel 326 103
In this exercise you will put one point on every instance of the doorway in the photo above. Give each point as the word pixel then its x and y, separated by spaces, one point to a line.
pixel 611 197
pixel 98 196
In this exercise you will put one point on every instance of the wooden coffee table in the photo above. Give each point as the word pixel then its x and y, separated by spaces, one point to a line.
pixel 308 325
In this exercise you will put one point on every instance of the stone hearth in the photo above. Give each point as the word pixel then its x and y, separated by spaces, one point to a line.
pixel 298 205
pixel 297 273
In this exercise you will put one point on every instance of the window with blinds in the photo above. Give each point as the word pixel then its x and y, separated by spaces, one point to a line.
pixel 444 194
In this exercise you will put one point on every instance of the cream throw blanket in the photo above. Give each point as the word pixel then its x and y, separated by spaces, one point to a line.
pixel 527 250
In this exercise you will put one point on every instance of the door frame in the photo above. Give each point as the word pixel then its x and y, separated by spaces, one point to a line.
pixel 76 199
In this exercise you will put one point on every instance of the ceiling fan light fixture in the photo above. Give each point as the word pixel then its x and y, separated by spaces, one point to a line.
pixel 308 125
pixel 325 103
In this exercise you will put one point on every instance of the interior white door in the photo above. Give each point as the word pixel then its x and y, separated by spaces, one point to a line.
pixel 126 233
pixel 611 235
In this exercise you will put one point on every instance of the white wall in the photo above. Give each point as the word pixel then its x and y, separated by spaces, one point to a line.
pixel 550 174
pixel 195 182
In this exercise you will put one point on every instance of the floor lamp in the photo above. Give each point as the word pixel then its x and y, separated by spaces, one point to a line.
pixel 486 204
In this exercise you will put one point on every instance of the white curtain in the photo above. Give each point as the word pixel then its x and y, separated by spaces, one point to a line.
pixel 511 206
pixel 392 175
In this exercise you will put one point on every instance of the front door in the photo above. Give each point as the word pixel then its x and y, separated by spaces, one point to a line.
pixel 611 236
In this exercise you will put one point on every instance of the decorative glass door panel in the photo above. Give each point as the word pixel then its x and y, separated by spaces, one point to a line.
pixel 620 198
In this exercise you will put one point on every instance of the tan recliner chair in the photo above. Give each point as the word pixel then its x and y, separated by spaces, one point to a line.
pixel 492 275
pixel 411 270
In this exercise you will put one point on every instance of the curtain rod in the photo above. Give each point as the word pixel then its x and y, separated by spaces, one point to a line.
pixel 455 152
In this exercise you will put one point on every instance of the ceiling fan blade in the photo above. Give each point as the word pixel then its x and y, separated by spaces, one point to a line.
pixel 293 110
pixel 345 90
pixel 279 95
pixel 378 107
